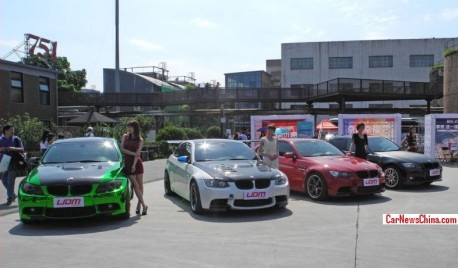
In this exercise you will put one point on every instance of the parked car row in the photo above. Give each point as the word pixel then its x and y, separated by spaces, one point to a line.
pixel 83 177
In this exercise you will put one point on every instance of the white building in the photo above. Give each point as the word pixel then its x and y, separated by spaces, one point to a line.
pixel 304 64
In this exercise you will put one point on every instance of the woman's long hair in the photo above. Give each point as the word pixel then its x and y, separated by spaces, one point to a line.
pixel 136 135
pixel 44 136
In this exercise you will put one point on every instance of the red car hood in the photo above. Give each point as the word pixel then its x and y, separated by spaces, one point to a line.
pixel 345 163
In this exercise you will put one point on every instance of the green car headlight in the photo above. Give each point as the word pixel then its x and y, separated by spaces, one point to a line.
pixel 109 186
pixel 29 188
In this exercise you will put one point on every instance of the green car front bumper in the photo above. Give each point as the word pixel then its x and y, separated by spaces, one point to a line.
pixel 74 201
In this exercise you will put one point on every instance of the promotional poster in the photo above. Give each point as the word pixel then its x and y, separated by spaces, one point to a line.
pixel 441 135
pixel 288 126
pixel 385 125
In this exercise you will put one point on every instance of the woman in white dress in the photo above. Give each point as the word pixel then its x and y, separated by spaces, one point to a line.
pixel 268 148
pixel 44 141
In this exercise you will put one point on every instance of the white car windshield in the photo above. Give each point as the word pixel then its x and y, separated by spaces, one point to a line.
pixel 221 150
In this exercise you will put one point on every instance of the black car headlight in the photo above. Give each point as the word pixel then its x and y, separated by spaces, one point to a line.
pixel 411 165
pixel 340 174
pixel 216 183
pixel 29 188
pixel 109 186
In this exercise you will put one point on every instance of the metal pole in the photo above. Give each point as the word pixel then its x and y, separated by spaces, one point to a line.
pixel 117 83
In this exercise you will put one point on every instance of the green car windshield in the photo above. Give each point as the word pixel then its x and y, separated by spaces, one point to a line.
pixel 93 151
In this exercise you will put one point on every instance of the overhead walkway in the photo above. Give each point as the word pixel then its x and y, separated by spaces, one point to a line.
pixel 340 90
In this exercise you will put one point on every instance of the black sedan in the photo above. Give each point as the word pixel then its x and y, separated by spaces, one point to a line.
pixel 400 167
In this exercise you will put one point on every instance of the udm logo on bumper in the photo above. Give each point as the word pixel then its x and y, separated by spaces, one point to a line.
pixel 68 202
pixel 255 195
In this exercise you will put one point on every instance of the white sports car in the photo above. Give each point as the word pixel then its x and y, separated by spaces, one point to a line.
pixel 220 174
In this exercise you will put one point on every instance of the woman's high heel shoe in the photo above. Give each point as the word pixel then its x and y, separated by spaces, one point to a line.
pixel 138 210
pixel 145 211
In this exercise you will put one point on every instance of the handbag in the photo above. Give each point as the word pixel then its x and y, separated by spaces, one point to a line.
pixel 5 163
pixel 19 162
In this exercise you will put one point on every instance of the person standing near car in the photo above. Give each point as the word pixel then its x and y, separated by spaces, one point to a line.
pixel 9 144
pixel 131 146
pixel 411 140
pixel 359 141
pixel 268 148
pixel 44 141
pixel 89 132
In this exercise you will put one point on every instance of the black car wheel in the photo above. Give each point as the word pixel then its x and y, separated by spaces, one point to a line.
pixel 196 205
pixel 167 189
pixel 126 214
pixel 315 187
pixel 392 177
pixel 27 222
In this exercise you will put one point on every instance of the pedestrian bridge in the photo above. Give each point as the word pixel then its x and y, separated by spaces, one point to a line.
pixel 338 90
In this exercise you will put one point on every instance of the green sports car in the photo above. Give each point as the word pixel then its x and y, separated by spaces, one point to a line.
pixel 76 178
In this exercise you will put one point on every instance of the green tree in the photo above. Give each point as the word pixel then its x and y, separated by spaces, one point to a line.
pixel 28 128
pixel 193 133
pixel 67 79
pixel 171 133
pixel 214 132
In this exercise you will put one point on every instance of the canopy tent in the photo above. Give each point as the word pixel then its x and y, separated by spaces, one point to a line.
pixel 91 117
pixel 326 125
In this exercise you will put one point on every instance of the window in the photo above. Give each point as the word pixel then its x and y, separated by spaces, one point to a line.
pixel 381 105
pixel 340 62
pixel 301 85
pixel 301 63
pixel 284 147
pixel 421 60
pixel 380 61
pixel 44 91
pixel 17 91
pixel 244 80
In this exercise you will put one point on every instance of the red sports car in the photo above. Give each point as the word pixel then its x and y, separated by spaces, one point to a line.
pixel 320 170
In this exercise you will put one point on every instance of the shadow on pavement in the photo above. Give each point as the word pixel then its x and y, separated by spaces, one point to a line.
pixel 231 216
pixel 72 227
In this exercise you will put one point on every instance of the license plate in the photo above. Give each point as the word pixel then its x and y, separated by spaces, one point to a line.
pixel 68 202
pixel 434 172
pixel 250 195
pixel 371 182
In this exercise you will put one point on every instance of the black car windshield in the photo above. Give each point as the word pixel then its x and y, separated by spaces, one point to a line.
pixel 221 150
pixel 316 148
pixel 88 151
pixel 380 144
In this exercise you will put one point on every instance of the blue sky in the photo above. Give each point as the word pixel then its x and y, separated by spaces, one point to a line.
pixel 211 37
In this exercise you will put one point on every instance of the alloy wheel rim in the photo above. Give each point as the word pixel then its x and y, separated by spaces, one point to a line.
pixel 314 186
pixel 392 177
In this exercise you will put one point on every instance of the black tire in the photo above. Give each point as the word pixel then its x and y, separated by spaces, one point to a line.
pixel 315 187
pixel 194 198
pixel 167 189
pixel 27 222
pixel 126 214
pixel 393 178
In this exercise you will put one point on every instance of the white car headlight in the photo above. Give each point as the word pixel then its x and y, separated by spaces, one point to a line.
pixel 216 183
pixel 340 174
pixel 280 180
